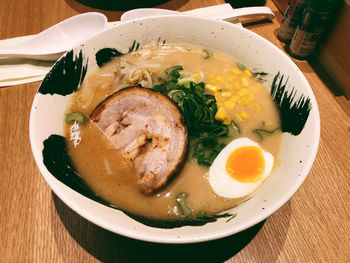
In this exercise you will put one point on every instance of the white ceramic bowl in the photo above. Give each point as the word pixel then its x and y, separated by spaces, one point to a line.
pixel 299 145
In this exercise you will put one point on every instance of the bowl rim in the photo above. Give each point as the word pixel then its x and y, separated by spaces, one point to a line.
pixel 159 238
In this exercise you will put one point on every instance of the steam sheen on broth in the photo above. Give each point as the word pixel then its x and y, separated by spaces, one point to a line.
pixel 240 97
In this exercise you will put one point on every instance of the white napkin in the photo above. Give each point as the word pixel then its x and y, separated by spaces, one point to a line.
pixel 15 71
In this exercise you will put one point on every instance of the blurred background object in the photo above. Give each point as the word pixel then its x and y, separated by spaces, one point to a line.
pixel 291 19
pixel 313 22
pixel 121 5
pixel 331 59
pixel 333 53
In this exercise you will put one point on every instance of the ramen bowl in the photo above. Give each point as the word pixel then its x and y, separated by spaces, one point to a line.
pixel 300 122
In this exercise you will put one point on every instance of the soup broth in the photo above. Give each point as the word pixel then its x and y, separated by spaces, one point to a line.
pixel 242 97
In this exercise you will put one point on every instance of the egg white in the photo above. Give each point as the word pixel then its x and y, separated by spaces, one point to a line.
pixel 226 186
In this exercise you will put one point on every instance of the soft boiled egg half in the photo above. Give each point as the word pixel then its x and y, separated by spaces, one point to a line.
pixel 240 168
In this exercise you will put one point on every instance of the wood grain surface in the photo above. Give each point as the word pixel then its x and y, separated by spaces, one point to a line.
pixel 35 226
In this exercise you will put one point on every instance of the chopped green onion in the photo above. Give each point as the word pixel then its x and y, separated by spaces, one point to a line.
pixel 174 71
pixel 186 81
pixel 232 217
pixel 199 109
pixel 208 54
pixel 241 66
pixel 262 131
pixel 228 139
pixel 220 131
pixel 235 127
pixel 181 202
pixel 76 117
pixel 209 101
pixel 202 215
pixel 206 149
pixel 177 96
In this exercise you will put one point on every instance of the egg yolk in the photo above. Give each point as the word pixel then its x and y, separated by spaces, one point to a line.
pixel 246 164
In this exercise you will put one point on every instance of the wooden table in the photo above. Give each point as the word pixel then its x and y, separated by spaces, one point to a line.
pixel 35 226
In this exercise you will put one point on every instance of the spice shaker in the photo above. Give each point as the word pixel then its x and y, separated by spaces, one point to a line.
pixel 291 20
pixel 311 26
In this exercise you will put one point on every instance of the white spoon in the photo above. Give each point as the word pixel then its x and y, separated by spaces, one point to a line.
pixel 222 12
pixel 51 43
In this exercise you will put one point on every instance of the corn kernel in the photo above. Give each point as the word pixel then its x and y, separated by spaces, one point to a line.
pixel 235 98
pixel 213 81
pixel 243 92
pixel 236 71
pixel 211 88
pixel 219 79
pixel 222 116
pixel 244 81
pixel 227 120
pixel 244 116
pixel 246 71
pixel 226 94
pixel 211 75
pixel 251 97
pixel 219 104
pixel 230 104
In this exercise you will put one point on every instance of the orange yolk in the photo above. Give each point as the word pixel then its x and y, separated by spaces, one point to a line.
pixel 246 164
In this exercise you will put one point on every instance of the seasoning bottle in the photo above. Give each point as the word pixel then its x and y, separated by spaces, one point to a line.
pixel 291 20
pixel 311 26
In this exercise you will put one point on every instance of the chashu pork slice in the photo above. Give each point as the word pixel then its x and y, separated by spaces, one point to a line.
pixel 147 127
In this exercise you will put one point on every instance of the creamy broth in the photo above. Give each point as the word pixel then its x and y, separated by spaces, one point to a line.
pixel 111 177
